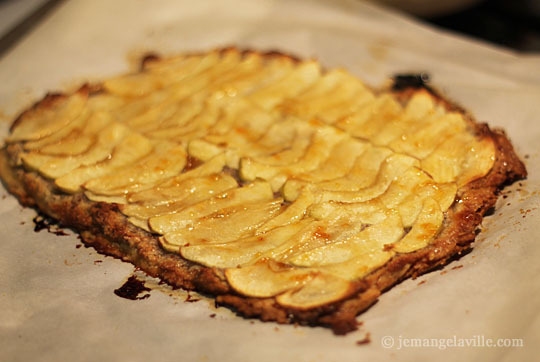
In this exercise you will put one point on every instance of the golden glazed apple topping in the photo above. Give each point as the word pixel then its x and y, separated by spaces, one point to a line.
pixel 296 182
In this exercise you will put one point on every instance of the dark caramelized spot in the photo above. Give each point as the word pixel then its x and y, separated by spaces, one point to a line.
pixel 233 173
pixel 414 81
pixel 321 234
pixel 191 163
pixel 388 247
pixel 132 288
pixel 149 58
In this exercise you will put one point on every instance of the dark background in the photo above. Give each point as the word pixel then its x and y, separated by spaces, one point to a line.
pixel 514 24
pixel 511 23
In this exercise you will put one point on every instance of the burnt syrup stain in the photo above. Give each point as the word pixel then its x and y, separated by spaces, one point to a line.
pixel 45 222
pixel 191 299
pixel 132 289
pixel 365 340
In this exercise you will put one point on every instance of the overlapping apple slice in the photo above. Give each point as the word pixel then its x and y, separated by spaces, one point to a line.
pixel 425 228
pixel 57 166
pixel 257 191
pixel 334 96
pixel 44 121
pixel 242 251
pixel 132 148
pixel 299 79
pixel 278 169
pixel 165 161
pixel 461 158
pixel 298 288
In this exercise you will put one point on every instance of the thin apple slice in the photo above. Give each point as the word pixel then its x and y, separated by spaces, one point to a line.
pixel 404 185
pixel 363 173
pixel 168 200
pixel 72 128
pixel 366 121
pixel 111 199
pixel 133 85
pixel 163 105
pixel 204 150
pixel 411 206
pixel 271 140
pixel 420 142
pixel 292 214
pixel 131 110
pixel 369 212
pixel 80 139
pixel 322 289
pixel 420 104
pixel 158 74
pixel 267 278
pixel 315 235
pixel 359 242
pixel 361 263
pixel 282 134
pixel 170 111
pixel 334 95
pixel 478 162
pixel 199 83
pixel 55 166
pixel 302 134
pixel 357 256
pixel 227 224
pixel 180 67
pixel 245 119
pixel 418 113
pixel 316 152
pixel 97 106
pixel 182 188
pixel 391 168
pixel 342 108
pixel 208 171
pixel 44 121
pixel 129 150
pixel 322 143
pixel 243 251
pixel 73 145
pixel 242 79
pixel 165 161
pixel 196 126
pixel 143 224
pixel 257 191
pixel 340 162
pixel 461 158
pixel 424 230
pixel 301 104
pixel 300 78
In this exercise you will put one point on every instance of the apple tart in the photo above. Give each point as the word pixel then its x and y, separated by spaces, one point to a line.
pixel 289 192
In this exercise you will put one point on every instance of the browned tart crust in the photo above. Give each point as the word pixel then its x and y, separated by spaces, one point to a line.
pixel 103 226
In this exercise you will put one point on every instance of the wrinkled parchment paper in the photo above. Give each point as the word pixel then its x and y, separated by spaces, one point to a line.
pixel 57 301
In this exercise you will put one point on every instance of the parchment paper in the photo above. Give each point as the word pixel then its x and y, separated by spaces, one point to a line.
pixel 57 301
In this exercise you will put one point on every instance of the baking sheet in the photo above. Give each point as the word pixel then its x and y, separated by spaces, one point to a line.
pixel 57 300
